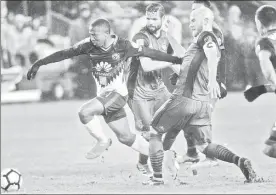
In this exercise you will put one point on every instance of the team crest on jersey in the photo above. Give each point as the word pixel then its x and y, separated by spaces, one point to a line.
pixel 103 67
pixel 115 56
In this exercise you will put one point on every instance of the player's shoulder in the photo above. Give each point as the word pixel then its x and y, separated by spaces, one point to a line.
pixel 142 34
pixel 141 37
pixel 85 41
pixel 264 43
pixel 205 37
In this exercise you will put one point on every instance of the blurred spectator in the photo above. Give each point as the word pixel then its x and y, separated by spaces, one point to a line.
pixel 234 49
pixel 23 39
pixel 78 31
pixel 252 70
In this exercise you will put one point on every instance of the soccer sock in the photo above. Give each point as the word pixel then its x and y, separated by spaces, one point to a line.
pixel 156 155
pixel 140 145
pixel 222 153
pixel 143 159
pixel 94 128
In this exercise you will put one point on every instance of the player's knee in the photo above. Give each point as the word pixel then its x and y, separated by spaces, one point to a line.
pixel 154 129
pixel 126 139
pixel 270 150
pixel 85 116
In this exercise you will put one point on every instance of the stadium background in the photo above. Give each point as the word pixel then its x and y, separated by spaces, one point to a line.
pixel 45 140
pixel 30 25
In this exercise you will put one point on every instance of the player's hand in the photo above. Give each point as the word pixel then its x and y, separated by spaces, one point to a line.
pixel 32 71
pixel 179 60
pixel 214 89
pixel 173 78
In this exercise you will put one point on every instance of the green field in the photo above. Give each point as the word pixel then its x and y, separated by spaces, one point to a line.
pixel 47 143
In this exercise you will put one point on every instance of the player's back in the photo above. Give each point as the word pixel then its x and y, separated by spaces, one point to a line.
pixel 145 85
pixel 194 73
pixel 268 43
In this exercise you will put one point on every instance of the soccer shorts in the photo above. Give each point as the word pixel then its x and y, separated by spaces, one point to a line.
pixel 183 113
pixel 143 110
pixel 113 104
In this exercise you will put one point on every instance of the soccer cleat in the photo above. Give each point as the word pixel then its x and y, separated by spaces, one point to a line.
pixel 98 149
pixel 154 182
pixel 247 170
pixel 144 169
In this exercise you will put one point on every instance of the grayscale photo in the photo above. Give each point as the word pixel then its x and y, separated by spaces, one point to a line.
pixel 138 97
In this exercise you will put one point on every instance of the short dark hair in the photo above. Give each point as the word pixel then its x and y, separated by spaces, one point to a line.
pixel 205 3
pixel 101 22
pixel 155 7
pixel 266 14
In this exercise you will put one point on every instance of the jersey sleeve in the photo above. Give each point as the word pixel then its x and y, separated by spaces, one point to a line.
pixel 264 44
pixel 135 50
pixel 141 39
pixel 219 35
pixel 81 47
pixel 206 38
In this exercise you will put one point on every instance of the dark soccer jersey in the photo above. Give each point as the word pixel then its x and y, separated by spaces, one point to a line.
pixel 107 66
pixel 268 43
pixel 147 84
pixel 194 73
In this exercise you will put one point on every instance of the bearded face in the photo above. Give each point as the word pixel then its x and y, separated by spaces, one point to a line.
pixel 154 21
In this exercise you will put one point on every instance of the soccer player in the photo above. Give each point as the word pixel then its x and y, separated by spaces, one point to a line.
pixel 109 56
pixel 189 106
pixel 192 154
pixel 265 19
pixel 147 91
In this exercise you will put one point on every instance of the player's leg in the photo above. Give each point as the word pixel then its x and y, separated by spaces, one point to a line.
pixel 171 115
pixel 88 116
pixel 115 117
pixel 192 153
pixel 171 135
pixel 170 138
pixel 203 136
pixel 121 128
pixel 142 115
pixel 270 149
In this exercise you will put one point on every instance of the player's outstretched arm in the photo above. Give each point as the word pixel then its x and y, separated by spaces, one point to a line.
pixel 160 56
pixel 55 57
pixel 148 57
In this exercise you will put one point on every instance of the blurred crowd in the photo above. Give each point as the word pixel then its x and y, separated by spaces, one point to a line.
pixel 20 33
